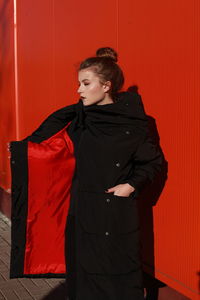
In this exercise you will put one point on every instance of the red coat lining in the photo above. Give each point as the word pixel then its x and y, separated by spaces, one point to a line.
pixel 51 165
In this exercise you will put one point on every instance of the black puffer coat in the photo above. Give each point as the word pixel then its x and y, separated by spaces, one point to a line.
pixel 70 160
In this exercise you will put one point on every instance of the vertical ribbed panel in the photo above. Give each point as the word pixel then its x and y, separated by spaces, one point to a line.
pixel 50 49
pixel 7 96
pixel 162 58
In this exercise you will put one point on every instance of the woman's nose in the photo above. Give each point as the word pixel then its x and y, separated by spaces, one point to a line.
pixel 79 89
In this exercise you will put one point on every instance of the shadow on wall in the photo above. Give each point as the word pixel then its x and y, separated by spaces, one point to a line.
pixel 147 199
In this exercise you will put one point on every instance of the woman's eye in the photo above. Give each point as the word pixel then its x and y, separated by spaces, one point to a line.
pixel 83 84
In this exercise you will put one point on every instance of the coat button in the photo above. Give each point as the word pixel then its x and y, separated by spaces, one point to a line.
pixel 126 104
pixel 106 233
pixel 13 162
pixel 127 132
pixel 108 200
pixel 118 164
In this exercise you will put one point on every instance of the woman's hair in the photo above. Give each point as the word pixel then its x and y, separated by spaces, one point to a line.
pixel 104 64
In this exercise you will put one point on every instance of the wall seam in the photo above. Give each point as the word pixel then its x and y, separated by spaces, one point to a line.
pixel 16 71
pixel 117 25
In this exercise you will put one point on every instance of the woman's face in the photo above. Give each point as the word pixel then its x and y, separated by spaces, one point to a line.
pixel 91 90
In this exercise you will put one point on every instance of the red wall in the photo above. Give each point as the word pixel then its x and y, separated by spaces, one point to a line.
pixel 158 44
pixel 7 91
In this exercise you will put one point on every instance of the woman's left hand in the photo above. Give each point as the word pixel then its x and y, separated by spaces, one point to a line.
pixel 123 190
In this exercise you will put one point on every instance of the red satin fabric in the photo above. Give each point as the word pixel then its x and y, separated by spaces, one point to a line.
pixel 50 170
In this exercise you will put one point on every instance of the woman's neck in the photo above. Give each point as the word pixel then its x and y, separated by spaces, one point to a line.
pixel 107 100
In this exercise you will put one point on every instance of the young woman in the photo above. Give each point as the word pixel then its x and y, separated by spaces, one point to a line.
pixel 107 134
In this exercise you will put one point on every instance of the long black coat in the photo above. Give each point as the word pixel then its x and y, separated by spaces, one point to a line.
pixel 64 167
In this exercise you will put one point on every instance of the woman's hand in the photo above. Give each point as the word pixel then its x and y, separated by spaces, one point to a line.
pixel 123 190
pixel 8 149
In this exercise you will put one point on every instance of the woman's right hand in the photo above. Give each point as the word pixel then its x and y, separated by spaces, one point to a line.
pixel 124 190
pixel 9 149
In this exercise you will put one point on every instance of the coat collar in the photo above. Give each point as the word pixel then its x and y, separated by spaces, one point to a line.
pixel 127 110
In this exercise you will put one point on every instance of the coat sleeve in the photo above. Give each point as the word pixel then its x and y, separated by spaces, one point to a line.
pixel 55 122
pixel 148 157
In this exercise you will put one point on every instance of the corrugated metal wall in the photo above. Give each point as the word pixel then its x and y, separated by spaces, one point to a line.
pixel 7 90
pixel 158 44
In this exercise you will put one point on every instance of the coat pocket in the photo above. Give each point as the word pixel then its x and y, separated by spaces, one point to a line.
pixel 106 213
pixel 123 216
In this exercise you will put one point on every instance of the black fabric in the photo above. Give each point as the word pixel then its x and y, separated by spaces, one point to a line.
pixel 19 194
pixel 54 122
pixel 82 284
pixel 115 133
pixel 111 134
pixel 70 256
pixel 112 146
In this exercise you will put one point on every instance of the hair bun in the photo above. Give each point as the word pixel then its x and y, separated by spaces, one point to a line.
pixel 107 52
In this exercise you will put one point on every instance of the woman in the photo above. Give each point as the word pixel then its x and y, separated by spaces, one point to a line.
pixel 114 158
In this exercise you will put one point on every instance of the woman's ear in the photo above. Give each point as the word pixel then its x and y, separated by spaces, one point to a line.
pixel 107 86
